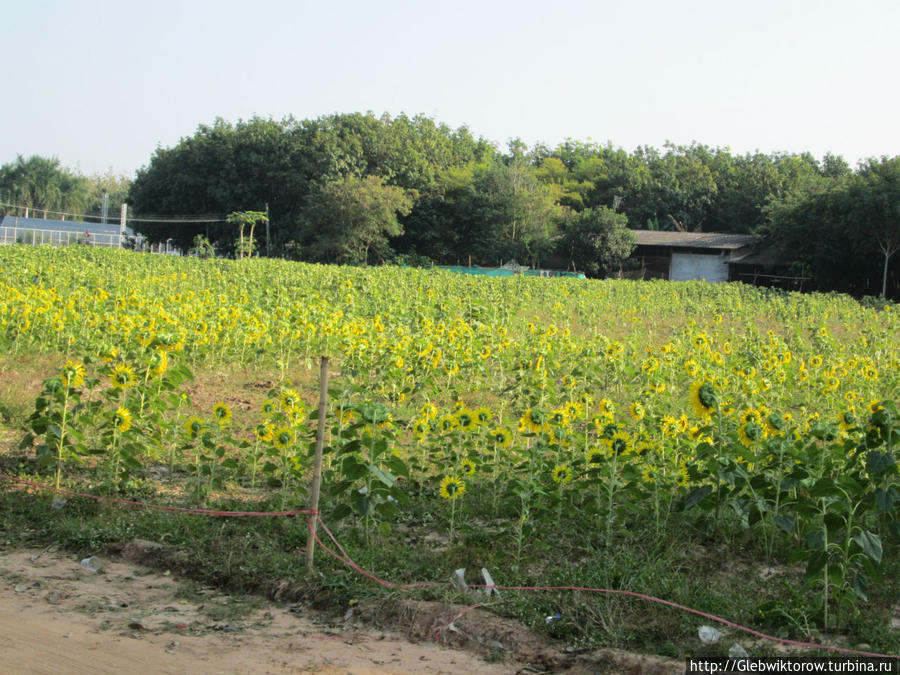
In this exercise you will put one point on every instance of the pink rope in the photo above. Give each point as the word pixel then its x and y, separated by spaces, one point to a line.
pixel 348 561
pixel 179 509
pixel 649 598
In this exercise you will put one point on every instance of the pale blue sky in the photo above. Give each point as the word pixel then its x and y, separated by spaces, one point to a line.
pixel 101 84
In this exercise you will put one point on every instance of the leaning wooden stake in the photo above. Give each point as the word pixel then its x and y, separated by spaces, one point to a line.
pixel 317 464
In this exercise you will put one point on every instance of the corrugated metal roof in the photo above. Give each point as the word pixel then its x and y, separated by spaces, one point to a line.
pixel 62 225
pixel 719 240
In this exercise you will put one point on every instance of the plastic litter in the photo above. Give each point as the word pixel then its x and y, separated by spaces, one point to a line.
pixel 92 564
pixel 737 652
pixel 709 635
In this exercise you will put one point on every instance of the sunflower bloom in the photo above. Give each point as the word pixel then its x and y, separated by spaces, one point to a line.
pixel 452 488
pixel 703 399
pixel 194 426
pixel 282 438
pixel 562 474
pixel 72 374
pixel 222 413
pixel 122 419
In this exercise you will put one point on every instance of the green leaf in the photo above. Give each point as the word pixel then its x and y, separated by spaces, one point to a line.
pixel 695 496
pixel 825 487
pixel 400 496
pixel 352 446
pixel 362 504
pixel 885 498
pixel 816 540
pixel 870 543
pixel 352 469
pixel 382 475
pixel 784 522
pixel 816 563
pixel 398 466
pixel 341 511
pixel 860 587
pixel 387 509
pixel 879 462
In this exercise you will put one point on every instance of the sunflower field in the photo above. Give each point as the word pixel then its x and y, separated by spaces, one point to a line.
pixel 519 404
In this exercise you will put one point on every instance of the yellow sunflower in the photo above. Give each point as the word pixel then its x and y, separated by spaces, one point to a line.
pixel 122 419
pixel 452 488
pixel 562 474
pixel 194 426
pixel 222 413
pixel 501 436
pixel 72 374
pixel 704 398
pixel 282 437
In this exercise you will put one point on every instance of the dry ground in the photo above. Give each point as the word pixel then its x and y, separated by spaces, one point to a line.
pixel 56 616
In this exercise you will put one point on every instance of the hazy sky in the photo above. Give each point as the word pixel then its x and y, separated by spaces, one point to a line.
pixel 101 84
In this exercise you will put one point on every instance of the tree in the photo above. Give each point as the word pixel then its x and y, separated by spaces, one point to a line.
pixel 352 218
pixel 242 219
pixel 845 230
pixel 679 192
pixel 41 184
pixel 225 166
pixel 876 207
pixel 597 240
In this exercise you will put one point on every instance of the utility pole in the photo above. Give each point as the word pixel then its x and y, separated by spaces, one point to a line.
pixel 122 216
pixel 268 250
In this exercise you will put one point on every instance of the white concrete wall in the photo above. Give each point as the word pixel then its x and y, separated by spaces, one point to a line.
pixel 687 266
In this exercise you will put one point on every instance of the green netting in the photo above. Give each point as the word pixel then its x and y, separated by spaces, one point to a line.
pixel 501 272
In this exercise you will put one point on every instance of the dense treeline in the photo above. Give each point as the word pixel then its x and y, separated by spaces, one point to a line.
pixel 357 188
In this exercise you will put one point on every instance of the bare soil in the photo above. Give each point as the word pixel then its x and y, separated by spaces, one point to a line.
pixel 57 616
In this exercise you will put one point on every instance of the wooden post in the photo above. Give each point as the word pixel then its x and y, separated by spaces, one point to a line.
pixel 317 463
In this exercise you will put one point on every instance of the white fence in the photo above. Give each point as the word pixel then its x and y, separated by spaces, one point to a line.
pixel 28 235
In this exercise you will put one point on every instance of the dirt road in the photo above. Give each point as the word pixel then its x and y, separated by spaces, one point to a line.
pixel 56 616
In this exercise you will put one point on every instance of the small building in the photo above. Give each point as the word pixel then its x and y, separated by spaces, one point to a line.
pixel 682 256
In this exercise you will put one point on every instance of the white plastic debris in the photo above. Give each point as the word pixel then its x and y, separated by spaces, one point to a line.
pixel 92 564
pixel 489 583
pixel 458 579
pixel 709 635
pixel 737 652
pixel 552 617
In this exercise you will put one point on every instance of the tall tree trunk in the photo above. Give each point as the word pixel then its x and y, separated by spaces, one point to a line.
pixel 887 256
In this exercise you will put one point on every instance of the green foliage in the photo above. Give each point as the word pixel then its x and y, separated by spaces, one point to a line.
pixel 597 241
pixel 845 231
pixel 351 219
pixel 245 246
pixel 44 187
pixel 202 248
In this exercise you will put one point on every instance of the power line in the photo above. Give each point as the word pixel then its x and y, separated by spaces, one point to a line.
pixel 140 219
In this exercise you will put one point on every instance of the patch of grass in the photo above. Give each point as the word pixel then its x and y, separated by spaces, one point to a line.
pixel 265 557
pixel 20 382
